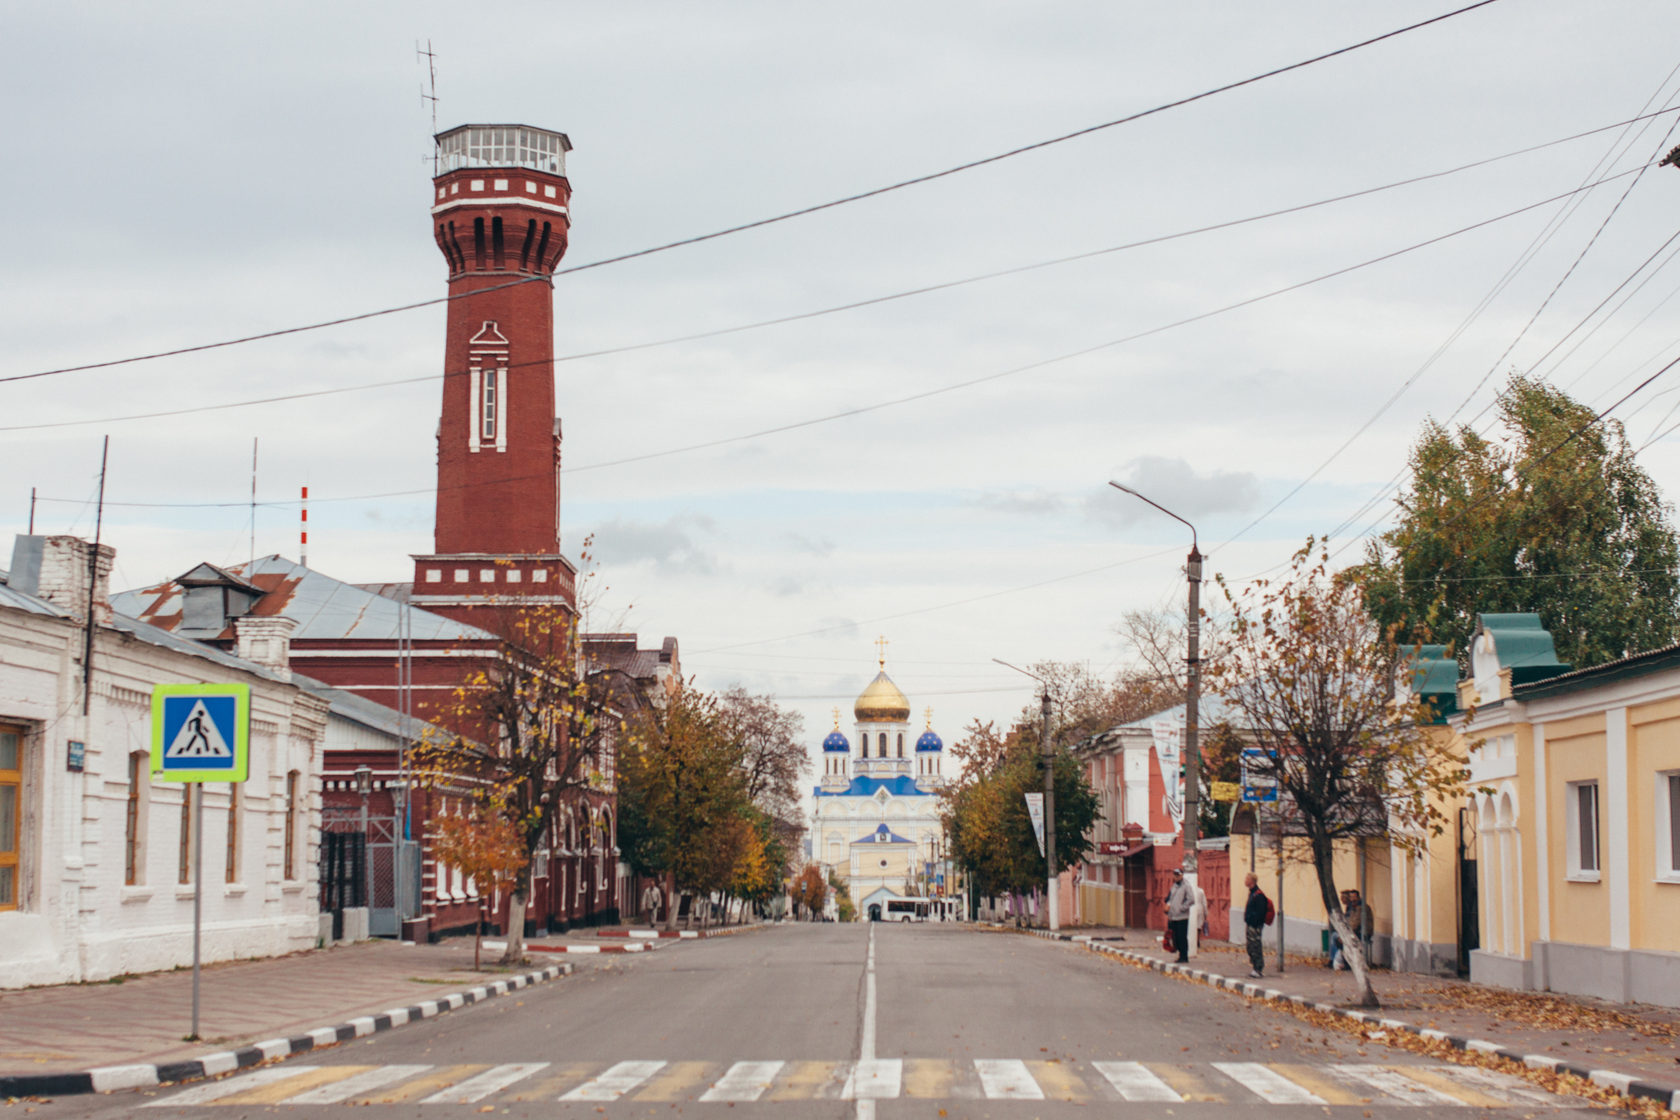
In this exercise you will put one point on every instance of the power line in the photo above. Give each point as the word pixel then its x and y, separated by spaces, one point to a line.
pixel 791 214
pixel 854 305
pixel 939 390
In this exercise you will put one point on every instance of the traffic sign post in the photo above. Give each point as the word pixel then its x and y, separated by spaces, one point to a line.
pixel 200 733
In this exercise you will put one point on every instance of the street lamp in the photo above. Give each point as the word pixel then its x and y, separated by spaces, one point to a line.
pixel 1049 794
pixel 1192 701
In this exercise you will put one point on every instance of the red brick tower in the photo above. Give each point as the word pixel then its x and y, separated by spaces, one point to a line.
pixel 500 215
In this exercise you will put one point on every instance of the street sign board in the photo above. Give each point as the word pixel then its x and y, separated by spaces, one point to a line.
pixel 201 732
pixel 1111 847
pixel 1258 786
pixel 1035 810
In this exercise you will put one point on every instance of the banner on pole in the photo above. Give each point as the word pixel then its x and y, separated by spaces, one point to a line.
pixel 1035 810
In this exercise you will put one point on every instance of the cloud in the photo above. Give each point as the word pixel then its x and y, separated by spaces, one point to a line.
pixel 815 546
pixel 669 545
pixel 1028 503
pixel 1175 484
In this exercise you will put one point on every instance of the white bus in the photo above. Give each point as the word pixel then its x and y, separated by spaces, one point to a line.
pixel 907 909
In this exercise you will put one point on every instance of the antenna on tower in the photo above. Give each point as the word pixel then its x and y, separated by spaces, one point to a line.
pixel 428 92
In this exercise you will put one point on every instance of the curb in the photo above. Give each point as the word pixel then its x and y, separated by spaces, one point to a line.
pixel 684 934
pixel 106 1079
pixel 632 947
pixel 1625 1084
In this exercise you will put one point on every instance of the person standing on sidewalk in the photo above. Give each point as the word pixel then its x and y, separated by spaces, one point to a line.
pixel 1257 915
pixel 1179 904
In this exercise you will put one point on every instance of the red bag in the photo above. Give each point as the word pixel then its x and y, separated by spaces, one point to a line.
pixel 1271 912
pixel 1167 941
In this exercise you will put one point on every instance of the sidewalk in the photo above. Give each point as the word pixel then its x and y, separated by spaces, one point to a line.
pixel 142 1019
pixel 1639 1041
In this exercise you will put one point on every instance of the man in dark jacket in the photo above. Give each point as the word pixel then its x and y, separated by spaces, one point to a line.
pixel 1254 923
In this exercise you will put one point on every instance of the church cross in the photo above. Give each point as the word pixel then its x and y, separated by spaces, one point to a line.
pixel 881 646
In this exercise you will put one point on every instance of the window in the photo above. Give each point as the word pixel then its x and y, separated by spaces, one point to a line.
pixel 881 745
pixel 1582 811
pixel 901 744
pixel 491 379
pixel 1668 821
pixel 232 870
pixel 11 813
pixel 290 850
pixel 184 863
pixel 134 827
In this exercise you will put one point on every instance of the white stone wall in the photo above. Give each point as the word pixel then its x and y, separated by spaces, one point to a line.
pixel 77 919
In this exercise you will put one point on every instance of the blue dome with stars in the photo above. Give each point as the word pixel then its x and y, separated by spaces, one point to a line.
pixel 930 741
pixel 836 742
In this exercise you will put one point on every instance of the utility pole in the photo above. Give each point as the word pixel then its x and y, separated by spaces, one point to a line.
pixel 1049 807
pixel 1192 704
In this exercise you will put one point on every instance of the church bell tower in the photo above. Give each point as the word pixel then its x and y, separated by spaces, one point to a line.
pixel 500 215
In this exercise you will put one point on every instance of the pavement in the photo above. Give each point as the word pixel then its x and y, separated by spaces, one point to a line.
pixel 873 1021
pixel 1639 1042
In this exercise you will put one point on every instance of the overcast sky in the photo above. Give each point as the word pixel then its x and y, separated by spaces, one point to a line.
pixel 181 173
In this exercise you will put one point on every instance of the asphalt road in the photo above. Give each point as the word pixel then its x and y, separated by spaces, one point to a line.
pixel 850 1021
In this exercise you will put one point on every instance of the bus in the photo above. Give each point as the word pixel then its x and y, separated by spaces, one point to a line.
pixel 907 909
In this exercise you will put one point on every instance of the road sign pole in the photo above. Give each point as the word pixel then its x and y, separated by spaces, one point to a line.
pixel 198 889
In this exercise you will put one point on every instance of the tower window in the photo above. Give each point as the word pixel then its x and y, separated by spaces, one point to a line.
pixel 478 242
pixel 496 241
pixel 881 746
pixel 488 412
pixel 901 744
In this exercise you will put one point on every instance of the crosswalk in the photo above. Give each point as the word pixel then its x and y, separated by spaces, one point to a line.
pixel 745 1082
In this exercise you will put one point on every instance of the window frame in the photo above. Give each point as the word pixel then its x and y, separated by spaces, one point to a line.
pixel 1668 826
pixel 1578 869
pixel 134 819
pixel 184 860
pixel 289 858
pixel 11 848
pixel 235 807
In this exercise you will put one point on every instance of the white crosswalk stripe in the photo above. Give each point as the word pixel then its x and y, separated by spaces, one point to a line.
pixel 1007 1079
pixel 1134 1082
pixel 365 1082
pixel 1397 1088
pixel 492 1080
pixel 615 1082
pixel 216 1090
pixel 874 1079
pixel 745 1081
pixel 1498 1084
pixel 1267 1083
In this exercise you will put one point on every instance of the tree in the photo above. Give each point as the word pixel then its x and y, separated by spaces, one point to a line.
pixel 1558 518
pixel 773 756
pixel 810 892
pixel 1310 676
pixel 484 844
pixel 533 733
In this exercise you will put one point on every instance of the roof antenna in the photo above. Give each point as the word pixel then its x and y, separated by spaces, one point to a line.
pixel 428 92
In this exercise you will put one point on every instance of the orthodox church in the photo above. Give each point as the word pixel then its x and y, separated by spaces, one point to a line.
pixel 877 807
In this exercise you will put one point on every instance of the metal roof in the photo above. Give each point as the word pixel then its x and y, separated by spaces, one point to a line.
pixel 359 709
pixel 26 602
pixel 325 609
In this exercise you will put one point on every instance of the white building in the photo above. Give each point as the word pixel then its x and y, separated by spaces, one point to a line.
pixel 877 808
pixel 96 874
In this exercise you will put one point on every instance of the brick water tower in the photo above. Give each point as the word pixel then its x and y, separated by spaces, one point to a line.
pixel 500 215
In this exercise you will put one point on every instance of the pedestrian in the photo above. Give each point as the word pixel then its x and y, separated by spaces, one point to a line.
pixel 1360 921
pixel 1257 915
pixel 1180 901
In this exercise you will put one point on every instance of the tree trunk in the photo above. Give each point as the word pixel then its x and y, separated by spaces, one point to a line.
pixel 516 927
pixel 478 933
pixel 1323 849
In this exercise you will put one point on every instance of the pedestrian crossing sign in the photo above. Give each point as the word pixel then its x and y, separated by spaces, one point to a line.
pixel 201 732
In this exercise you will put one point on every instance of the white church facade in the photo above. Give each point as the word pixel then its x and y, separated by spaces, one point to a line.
pixel 877 807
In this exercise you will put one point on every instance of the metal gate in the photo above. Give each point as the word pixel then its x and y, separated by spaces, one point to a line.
pixel 343 875
pixel 386 866
pixel 1469 916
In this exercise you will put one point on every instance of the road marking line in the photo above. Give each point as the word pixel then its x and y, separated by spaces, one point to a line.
pixel 677 1081
pixel 1058 1081
pixel 874 1079
pixel 1134 1082
pixel 1503 1085
pixel 1397 1087
pixel 426 1085
pixel 1267 1084
pixel 811 1081
pixel 866 1033
pixel 492 1080
pixel 280 1090
pixel 928 1078
pixel 1189 1086
pixel 1472 1095
pixel 1328 1089
pixel 615 1082
pixel 365 1082
pixel 560 1077
pixel 745 1081
pixel 216 1090
pixel 1007 1079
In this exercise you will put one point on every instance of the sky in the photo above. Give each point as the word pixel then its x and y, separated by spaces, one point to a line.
pixel 186 173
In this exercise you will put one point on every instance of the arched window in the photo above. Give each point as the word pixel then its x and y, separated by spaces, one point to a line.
pixel 881 746
pixel 901 744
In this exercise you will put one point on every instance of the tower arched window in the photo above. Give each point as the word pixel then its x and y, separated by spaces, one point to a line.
pixel 490 410
pixel 881 746
pixel 901 744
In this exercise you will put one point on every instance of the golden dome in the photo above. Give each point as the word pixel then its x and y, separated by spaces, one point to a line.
pixel 881 702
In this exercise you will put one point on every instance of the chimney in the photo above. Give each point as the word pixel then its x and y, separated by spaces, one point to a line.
pixel 267 640
pixel 56 569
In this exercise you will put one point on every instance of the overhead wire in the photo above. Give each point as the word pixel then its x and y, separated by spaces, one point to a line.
pixel 804 211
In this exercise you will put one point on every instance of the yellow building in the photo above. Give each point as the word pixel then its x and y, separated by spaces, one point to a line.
pixel 1576 812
